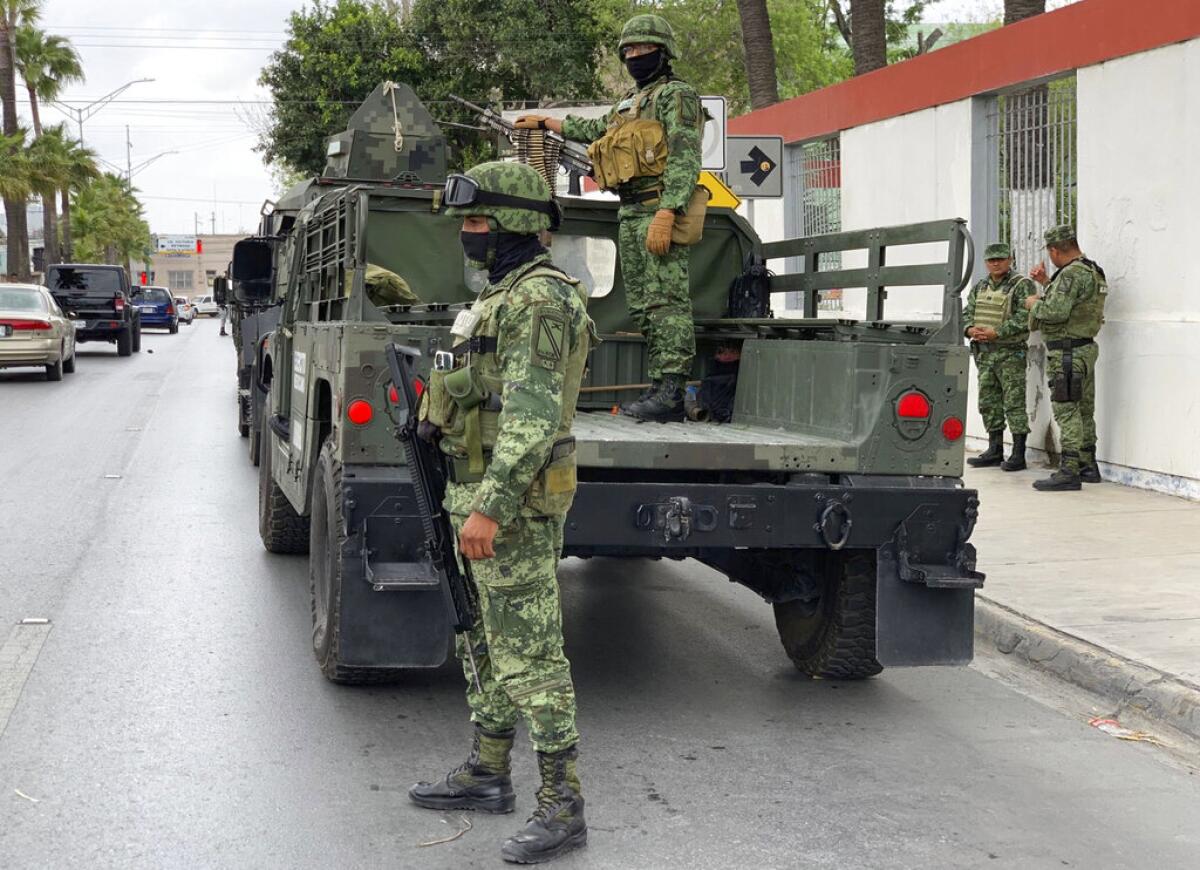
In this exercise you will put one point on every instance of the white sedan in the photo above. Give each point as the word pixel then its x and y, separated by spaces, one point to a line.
pixel 34 332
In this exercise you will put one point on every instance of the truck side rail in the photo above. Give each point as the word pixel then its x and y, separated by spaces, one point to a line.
pixel 877 276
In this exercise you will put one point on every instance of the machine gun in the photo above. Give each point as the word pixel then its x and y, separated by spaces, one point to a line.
pixel 427 467
pixel 547 147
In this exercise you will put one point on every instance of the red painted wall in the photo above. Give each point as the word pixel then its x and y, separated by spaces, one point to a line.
pixel 1082 34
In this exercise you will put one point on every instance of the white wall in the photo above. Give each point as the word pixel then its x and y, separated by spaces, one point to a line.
pixel 1139 217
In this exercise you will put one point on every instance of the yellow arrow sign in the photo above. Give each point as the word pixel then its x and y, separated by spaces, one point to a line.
pixel 720 195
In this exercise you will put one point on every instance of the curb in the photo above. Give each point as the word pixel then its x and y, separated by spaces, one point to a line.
pixel 1128 684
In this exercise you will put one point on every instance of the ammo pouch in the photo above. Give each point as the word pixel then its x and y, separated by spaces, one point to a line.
pixel 1067 385
pixel 634 148
pixel 689 226
pixel 553 489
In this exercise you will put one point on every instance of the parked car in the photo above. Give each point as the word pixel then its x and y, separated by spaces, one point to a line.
pixel 185 309
pixel 34 332
pixel 98 298
pixel 206 306
pixel 158 308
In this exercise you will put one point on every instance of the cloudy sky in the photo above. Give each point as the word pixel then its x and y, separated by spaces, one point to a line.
pixel 204 58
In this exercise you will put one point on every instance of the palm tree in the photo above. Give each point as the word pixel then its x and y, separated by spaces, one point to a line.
pixel 82 170
pixel 14 167
pixel 48 64
pixel 13 14
pixel 50 170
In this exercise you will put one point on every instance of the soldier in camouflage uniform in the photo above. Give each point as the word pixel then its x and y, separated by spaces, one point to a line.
pixel 1070 316
pixel 997 324
pixel 656 130
pixel 503 414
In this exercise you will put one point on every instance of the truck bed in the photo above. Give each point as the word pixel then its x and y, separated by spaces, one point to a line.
pixel 606 440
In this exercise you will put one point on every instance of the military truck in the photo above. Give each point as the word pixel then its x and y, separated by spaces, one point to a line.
pixel 834 493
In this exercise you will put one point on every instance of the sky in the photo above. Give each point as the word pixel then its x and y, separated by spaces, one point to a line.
pixel 205 58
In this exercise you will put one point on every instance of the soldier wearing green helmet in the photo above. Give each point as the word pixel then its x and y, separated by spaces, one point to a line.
pixel 1070 315
pixel 647 151
pixel 500 405
pixel 997 324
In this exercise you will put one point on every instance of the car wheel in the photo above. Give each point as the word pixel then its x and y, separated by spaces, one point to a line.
pixel 55 372
pixel 69 363
pixel 173 328
pixel 125 342
pixel 137 336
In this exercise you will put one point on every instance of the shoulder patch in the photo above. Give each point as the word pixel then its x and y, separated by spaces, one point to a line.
pixel 689 108
pixel 548 338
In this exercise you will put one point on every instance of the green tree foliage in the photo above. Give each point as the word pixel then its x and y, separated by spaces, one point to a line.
pixel 108 223
pixel 47 63
pixel 15 183
pixel 335 55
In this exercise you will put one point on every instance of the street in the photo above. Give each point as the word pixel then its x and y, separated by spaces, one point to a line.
pixel 174 716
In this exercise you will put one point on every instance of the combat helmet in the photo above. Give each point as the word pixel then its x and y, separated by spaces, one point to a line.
pixel 514 195
pixel 650 29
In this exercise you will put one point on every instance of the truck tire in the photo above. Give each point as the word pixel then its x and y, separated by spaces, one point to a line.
pixel 834 637
pixel 282 529
pixel 125 341
pixel 137 336
pixel 325 573
pixel 255 447
pixel 243 416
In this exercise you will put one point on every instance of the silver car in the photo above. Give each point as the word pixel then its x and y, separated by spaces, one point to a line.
pixel 34 332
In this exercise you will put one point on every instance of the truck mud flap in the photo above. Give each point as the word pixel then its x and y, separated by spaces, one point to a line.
pixel 925 592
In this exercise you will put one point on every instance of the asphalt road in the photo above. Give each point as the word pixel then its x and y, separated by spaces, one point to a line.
pixel 173 716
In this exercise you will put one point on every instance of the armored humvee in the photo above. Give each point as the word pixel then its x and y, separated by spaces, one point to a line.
pixel 834 493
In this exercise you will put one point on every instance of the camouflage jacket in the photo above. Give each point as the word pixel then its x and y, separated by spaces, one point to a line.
pixel 1073 306
pixel 678 109
pixel 541 379
pixel 1014 331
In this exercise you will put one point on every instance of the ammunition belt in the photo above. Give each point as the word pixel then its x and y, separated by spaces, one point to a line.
pixel 1069 343
pixel 479 344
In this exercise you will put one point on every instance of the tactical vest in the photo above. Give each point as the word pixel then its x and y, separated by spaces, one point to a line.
pixel 465 402
pixel 633 147
pixel 993 305
pixel 1087 316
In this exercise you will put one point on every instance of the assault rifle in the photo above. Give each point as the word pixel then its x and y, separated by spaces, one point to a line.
pixel 427 467
pixel 571 156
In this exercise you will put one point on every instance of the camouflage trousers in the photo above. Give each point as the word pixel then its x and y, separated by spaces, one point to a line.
pixel 1002 389
pixel 518 642
pixel 1076 420
pixel 658 293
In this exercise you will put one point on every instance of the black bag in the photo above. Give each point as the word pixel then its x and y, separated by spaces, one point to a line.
pixel 750 292
pixel 717 389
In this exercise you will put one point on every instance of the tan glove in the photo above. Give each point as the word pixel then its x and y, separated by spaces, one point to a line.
pixel 530 122
pixel 658 237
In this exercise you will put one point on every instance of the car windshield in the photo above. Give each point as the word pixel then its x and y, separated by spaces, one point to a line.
pixel 98 280
pixel 21 299
pixel 151 294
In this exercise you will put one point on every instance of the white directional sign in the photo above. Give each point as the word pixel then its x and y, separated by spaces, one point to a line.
pixel 712 147
pixel 176 244
pixel 755 166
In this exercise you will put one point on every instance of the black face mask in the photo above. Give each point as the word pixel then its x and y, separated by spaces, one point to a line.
pixel 645 67
pixel 499 252
pixel 476 248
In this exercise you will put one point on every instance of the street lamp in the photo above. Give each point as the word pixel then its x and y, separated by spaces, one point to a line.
pixel 82 114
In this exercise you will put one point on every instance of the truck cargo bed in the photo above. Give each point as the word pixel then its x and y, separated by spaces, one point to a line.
pixel 606 440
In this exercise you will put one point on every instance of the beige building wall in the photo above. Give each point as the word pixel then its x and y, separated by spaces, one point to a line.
pixel 192 274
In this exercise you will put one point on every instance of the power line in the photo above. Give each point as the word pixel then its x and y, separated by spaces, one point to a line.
pixel 200 199
pixel 56 28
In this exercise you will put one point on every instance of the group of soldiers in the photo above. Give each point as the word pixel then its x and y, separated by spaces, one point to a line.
pixel 1001 312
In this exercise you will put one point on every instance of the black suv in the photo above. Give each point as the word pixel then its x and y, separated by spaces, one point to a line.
pixel 99 300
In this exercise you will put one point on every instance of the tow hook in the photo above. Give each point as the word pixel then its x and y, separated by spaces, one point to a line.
pixel 676 518
pixel 835 524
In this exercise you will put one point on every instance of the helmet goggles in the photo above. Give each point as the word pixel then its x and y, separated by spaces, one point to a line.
pixel 462 192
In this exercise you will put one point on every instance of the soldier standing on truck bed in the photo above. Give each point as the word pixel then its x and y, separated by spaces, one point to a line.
pixel 1070 316
pixel 504 406
pixel 647 150
pixel 997 323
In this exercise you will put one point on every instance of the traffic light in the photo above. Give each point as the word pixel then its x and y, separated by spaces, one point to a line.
pixel 143 279
pixel 199 245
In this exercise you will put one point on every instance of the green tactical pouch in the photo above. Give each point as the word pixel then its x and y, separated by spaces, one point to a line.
pixel 553 489
pixel 438 405
pixel 464 388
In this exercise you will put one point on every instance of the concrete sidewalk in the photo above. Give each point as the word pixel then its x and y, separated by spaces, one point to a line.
pixel 1100 587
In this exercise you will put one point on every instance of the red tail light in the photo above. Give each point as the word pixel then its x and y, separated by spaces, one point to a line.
pixel 27 325
pixel 418 387
pixel 913 406
pixel 170 310
pixel 359 412
pixel 119 303
pixel 952 428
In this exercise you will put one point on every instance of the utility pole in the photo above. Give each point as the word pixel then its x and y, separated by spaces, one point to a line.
pixel 128 158
pixel 82 114
pixel 196 222
pixel 214 223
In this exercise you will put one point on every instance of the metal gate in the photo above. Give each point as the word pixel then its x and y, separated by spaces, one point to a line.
pixel 1032 144
pixel 815 207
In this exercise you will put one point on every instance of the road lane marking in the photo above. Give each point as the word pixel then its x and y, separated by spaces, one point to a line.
pixel 17 658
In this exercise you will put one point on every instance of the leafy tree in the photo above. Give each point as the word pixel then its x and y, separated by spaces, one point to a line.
pixel 760 53
pixel 82 171
pixel 1017 10
pixel 881 30
pixel 335 55
pixel 14 14
pixel 50 170
pixel 109 222
pixel 47 64
pixel 14 167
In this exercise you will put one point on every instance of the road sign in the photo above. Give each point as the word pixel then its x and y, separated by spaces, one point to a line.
pixel 755 166
pixel 712 146
pixel 720 196
pixel 176 245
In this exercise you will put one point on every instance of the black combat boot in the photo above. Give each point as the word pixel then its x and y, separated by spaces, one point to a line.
pixel 1066 478
pixel 994 455
pixel 654 387
pixel 1089 469
pixel 557 825
pixel 1016 459
pixel 664 405
pixel 482 782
